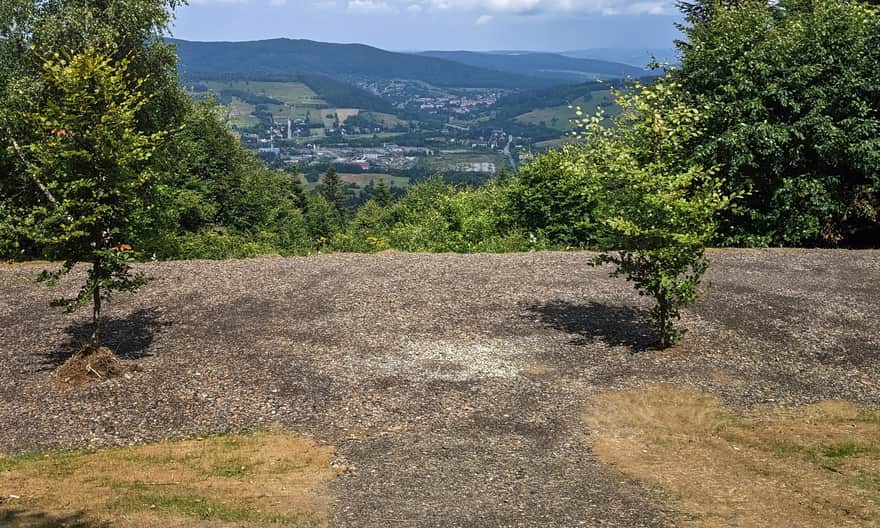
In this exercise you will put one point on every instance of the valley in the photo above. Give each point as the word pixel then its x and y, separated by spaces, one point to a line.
pixel 306 105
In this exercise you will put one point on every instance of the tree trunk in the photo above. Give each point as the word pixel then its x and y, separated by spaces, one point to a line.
pixel 666 334
pixel 96 311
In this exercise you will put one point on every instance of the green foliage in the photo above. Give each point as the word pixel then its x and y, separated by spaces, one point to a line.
pixel 323 220
pixel 91 163
pixel 382 193
pixel 656 212
pixel 127 29
pixel 332 189
pixel 218 201
pixel 435 217
pixel 791 98
pixel 555 198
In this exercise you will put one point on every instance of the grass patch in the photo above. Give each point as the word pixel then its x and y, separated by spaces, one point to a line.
pixel 560 117
pixel 845 450
pixel 242 480
pixel 815 466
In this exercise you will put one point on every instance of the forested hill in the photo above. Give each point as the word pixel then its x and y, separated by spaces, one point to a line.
pixel 285 59
pixel 542 65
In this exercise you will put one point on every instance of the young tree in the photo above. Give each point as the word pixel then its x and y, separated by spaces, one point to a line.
pixel 382 193
pixel 333 191
pixel 129 29
pixel 91 163
pixel 656 212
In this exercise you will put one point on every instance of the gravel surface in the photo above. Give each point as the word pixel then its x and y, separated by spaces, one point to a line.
pixel 452 385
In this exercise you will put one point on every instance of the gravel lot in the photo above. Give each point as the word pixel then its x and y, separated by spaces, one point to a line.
pixel 452 385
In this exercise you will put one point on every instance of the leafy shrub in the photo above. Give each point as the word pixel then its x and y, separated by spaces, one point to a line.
pixel 554 198
pixel 657 212
pixel 790 93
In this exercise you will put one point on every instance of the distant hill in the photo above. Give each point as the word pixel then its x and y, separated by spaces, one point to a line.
pixel 550 66
pixel 639 57
pixel 521 103
pixel 286 60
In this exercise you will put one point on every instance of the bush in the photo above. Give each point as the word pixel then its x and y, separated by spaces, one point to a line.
pixel 657 212
pixel 554 198
pixel 436 217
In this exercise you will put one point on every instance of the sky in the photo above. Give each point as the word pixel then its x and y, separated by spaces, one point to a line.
pixel 413 25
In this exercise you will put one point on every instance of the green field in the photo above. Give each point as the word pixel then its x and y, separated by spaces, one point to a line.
pixel 364 179
pixel 559 117
pixel 240 114
pixel 291 93
pixel 386 119
pixel 298 101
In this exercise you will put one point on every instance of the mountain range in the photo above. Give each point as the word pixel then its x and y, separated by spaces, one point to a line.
pixel 550 66
pixel 289 60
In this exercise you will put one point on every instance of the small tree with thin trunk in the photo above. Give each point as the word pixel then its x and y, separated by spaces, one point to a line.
pixel 656 212
pixel 90 163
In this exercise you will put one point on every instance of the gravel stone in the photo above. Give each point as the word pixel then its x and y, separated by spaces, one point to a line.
pixel 452 385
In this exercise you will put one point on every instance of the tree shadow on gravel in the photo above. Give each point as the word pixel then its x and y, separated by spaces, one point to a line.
pixel 29 519
pixel 128 337
pixel 613 325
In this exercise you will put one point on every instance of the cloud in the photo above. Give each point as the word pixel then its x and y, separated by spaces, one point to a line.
pixel 367 7
pixel 483 7
pixel 532 7
pixel 484 19
pixel 209 2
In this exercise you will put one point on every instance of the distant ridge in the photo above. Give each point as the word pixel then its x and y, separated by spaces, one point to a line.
pixel 640 57
pixel 285 59
pixel 551 66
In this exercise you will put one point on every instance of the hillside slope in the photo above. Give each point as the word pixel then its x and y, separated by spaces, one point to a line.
pixel 549 66
pixel 284 59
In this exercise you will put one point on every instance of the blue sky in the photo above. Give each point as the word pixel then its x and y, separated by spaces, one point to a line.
pixel 553 25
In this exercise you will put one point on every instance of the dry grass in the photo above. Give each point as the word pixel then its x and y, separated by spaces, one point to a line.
pixel 816 466
pixel 344 113
pixel 242 481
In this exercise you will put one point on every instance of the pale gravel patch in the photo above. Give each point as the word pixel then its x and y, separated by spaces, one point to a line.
pixel 462 361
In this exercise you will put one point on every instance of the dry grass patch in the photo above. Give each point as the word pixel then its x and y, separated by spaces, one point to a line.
pixel 342 114
pixel 815 466
pixel 243 481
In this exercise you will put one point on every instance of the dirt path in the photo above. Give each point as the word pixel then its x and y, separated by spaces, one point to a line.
pixel 452 386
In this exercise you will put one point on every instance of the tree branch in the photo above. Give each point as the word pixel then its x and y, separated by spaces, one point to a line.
pixel 49 196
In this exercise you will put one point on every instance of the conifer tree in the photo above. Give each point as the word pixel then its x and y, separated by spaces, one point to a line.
pixel 382 193
pixel 333 191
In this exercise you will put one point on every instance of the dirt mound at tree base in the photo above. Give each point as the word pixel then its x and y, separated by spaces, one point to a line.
pixel 89 366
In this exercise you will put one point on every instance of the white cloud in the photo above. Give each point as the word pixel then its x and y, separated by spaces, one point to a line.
pixel 483 7
pixel 527 7
pixel 209 2
pixel 367 7
pixel 484 19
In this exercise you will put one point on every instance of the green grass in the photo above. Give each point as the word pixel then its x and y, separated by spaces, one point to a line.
pixel 228 479
pixel 846 450
pixel 241 113
pixel 292 93
pixel 198 507
pixel 387 119
pixel 559 117
pixel 231 468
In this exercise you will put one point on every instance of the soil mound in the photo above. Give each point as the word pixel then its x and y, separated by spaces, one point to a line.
pixel 90 366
